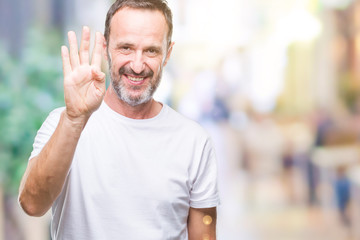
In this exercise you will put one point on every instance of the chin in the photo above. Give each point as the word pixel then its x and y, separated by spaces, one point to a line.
pixel 133 95
pixel 135 100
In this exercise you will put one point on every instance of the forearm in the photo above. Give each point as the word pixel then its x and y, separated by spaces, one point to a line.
pixel 45 175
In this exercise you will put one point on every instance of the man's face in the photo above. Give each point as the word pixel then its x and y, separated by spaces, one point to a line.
pixel 137 52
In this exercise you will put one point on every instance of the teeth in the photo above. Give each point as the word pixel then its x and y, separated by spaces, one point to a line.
pixel 135 79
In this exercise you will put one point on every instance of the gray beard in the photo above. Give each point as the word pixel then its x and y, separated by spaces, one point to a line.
pixel 124 95
pixel 120 90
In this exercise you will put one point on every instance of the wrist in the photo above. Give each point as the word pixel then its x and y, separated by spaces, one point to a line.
pixel 76 123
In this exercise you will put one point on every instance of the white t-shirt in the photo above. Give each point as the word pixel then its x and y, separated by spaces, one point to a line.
pixel 133 179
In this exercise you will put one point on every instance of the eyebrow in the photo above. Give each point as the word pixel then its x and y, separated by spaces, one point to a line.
pixel 127 44
pixel 124 44
pixel 156 48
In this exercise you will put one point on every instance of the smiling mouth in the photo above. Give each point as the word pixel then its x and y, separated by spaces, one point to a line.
pixel 135 80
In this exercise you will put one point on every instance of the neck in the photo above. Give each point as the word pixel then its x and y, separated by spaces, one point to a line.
pixel 143 111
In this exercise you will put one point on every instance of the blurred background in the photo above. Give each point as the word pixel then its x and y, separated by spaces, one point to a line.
pixel 276 84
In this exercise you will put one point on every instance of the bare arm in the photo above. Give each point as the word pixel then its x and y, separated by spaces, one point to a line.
pixel 202 223
pixel 46 173
pixel 84 87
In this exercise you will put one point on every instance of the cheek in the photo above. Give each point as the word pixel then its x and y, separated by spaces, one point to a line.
pixel 118 60
pixel 155 65
pixel 116 64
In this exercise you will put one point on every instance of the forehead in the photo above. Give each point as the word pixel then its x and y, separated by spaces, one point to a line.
pixel 138 23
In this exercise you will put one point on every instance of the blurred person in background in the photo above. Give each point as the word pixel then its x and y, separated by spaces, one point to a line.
pixel 116 163
pixel 342 188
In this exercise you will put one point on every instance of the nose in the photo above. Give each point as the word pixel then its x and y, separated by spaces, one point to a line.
pixel 137 64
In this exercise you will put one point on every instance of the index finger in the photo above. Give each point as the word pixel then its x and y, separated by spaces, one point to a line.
pixel 98 50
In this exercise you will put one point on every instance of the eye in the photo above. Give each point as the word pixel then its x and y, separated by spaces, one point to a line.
pixel 152 52
pixel 125 49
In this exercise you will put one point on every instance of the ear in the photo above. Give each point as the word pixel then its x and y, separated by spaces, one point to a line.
pixel 168 53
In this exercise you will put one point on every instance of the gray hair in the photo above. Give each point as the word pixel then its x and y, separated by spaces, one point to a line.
pixel 160 5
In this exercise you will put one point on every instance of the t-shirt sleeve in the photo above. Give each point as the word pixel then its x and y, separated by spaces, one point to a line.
pixel 204 192
pixel 45 132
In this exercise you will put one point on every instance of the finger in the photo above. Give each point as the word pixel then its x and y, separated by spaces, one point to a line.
pixel 84 46
pixel 74 54
pixel 66 61
pixel 98 50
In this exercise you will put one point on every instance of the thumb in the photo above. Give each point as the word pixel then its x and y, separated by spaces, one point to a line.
pixel 97 75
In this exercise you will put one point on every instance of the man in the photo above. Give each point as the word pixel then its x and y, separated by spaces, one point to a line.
pixel 116 164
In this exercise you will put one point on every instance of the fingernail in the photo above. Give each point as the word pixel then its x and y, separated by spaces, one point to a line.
pixel 63 49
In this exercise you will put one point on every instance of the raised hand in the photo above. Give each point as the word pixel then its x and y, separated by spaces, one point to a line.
pixel 84 83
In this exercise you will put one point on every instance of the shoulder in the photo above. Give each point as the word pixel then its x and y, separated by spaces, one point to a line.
pixel 46 130
pixel 51 121
pixel 184 123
